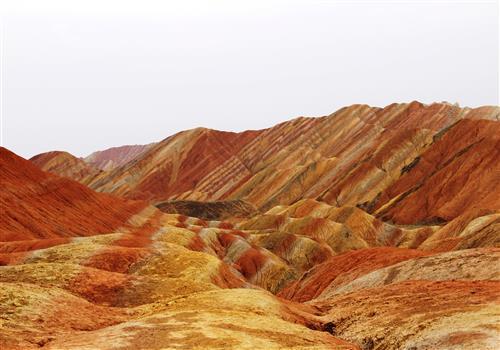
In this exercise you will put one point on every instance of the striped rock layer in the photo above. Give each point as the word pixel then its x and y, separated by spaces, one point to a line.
pixel 85 269
pixel 133 276
pixel 116 156
pixel 367 229
pixel 389 161
pixel 65 164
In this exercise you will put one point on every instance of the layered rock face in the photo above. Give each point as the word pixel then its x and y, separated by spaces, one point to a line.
pixel 39 205
pixel 372 228
pixel 116 156
pixel 82 269
pixel 388 161
pixel 65 164
pixel 462 163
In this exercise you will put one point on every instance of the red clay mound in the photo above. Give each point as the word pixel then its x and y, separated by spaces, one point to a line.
pixel 39 205
pixel 344 268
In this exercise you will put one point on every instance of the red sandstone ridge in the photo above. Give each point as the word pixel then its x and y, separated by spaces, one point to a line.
pixel 65 164
pixel 116 156
pixel 130 274
pixel 174 165
pixel 371 228
pixel 38 205
pixel 358 156
pixel 459 172
pixel 344 268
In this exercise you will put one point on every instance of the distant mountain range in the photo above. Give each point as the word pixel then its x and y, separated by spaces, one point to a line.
pixel 405 163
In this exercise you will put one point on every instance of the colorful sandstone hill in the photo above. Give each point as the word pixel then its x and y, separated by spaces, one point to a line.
pixel 371 228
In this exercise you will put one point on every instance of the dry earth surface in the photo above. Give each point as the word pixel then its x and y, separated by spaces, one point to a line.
pixel 371 228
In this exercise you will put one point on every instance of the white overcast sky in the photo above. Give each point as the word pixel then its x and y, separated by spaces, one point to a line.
pixel 87 75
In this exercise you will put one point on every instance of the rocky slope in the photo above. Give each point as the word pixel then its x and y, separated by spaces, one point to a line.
pixel 84 269
pixel 155 280
pixel 418 314
pixel 116 156
pixel 367 229
pixel 389 161
pixel 65 164
pixel 39 205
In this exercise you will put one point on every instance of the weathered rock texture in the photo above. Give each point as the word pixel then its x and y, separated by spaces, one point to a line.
pixel 371 228
pixel 408 163
pixel 116 156
pixel 39 205
pixel 458 173
pixel 418 314
pixel 219 210
pixel 88 270
pixel 65 164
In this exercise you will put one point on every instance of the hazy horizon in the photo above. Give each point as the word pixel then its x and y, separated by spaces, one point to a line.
pixel 92 75
pixel 207 127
